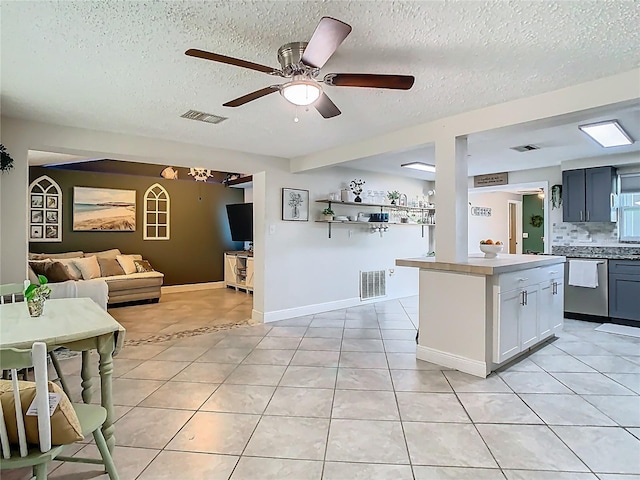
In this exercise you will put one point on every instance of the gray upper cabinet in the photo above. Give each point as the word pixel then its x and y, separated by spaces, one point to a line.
pixel 587 194
pixel 573 195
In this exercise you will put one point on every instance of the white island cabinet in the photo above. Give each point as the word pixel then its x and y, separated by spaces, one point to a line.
pixel 477 315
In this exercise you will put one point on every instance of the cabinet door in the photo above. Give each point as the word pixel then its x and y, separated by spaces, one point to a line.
pixel 249 272
pixel 600 184
pixel 557 307
pixel 624 292
pixel 529 318
pixel 545 309
pixel 229 270
pixel 508 333
pixel 573 196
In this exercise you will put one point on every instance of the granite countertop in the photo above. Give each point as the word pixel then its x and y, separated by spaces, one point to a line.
pixel 599 252
pixel 478 264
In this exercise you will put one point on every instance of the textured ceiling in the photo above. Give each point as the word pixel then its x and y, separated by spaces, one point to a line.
pixel 559 140
pixel 120 66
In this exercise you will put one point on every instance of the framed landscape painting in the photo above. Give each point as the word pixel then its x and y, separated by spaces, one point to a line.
pixel 104 209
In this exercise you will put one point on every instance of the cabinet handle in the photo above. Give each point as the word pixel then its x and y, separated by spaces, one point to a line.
pixel 580 215
pixel 587 215
pixel 526 297
pixel 522 302
pixel 554 290
pixel 612 200
pixel 552 273
pixel 523 279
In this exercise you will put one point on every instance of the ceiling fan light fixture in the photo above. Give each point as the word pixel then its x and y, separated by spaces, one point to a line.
pixel 420 166
pixel 301 91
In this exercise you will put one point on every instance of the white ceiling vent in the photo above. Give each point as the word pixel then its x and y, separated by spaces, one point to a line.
pixel 525 148
pixel 203 117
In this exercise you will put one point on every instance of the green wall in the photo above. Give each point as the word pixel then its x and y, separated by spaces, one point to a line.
pixel 199 226
pixel 532 205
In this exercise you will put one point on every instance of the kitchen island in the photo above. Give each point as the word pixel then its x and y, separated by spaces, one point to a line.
pixel 478 314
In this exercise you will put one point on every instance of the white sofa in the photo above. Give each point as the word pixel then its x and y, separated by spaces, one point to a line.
pixel 120 288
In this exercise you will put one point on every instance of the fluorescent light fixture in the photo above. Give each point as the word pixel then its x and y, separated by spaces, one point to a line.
pixel 301 91
pixel 607 134
pixel 420 166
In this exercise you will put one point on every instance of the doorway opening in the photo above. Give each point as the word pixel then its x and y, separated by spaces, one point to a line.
pixel 515 226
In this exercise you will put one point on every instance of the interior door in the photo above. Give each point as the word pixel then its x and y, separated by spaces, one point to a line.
pixel 513 231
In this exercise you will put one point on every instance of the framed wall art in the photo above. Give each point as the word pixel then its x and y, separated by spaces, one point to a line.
pixel 45 210
pixel 295 204
pixel 104 209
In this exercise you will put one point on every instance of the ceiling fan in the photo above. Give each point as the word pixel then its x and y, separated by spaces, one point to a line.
pixel 301 63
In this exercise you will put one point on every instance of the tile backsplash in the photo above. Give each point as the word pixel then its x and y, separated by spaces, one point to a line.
pixel 568 234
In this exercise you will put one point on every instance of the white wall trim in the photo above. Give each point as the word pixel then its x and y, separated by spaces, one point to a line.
pixel 316 308
pixel 192 287
pixel 466 365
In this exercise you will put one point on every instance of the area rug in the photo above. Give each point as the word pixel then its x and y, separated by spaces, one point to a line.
pixel 619 329
pixel 189 333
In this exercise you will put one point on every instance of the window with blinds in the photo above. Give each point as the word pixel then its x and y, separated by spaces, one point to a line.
pixel 629 208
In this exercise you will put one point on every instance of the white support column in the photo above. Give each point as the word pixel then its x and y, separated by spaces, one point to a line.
pixel 453 199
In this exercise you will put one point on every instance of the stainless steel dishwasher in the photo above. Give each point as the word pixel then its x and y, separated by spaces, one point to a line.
pixel 588 301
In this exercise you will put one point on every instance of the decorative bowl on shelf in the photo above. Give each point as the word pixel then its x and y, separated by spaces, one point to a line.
pixel 490 251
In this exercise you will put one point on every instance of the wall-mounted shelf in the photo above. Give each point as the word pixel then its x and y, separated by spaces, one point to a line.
pixel 425 213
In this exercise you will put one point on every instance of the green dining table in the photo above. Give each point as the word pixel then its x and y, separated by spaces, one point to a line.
pixel 78 324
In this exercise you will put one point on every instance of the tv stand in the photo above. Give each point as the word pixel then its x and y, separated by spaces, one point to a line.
pixel 238 270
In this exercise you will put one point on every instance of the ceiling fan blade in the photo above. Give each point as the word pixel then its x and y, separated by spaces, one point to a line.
pixel 252 96
pixel 326 107
pixel 192 52
pixel 370 80
pixel 328 36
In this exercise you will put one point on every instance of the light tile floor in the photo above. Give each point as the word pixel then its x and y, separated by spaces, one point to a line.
pixel 340 396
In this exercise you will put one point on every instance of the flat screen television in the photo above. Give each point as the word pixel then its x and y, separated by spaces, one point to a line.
pixel 241 221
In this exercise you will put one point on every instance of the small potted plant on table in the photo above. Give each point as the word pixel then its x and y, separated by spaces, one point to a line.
pixel 393 196
pixel 36 294
pixel 328 214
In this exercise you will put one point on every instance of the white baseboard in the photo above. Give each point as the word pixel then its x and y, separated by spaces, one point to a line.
pixel 316 308
pixel 191 287
pixel 466 365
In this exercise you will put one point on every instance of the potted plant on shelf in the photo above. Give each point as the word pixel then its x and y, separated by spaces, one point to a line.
pixel 36 294
pixel 393 196
pixel 328 214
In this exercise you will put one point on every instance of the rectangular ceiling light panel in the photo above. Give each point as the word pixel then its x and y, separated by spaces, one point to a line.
pixel 607 134
pixel 420 166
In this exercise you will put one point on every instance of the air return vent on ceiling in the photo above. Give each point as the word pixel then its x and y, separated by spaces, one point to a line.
pixel 372 284
pixel 203 117
pixel 525 148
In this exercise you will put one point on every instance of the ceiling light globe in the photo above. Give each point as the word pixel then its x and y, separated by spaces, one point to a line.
pixel 301 92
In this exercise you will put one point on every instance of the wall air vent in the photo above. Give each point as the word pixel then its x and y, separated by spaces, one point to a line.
pixel 525 148
pixel 372 284
pixel 203 117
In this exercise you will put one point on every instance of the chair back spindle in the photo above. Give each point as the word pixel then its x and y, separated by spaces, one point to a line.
pixel 17 359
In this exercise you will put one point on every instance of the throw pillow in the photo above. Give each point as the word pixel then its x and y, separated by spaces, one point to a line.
pixel 113 253
pixel 56 272
pixel 38 266
pixel 109 267
pixel 88 266
pixel 143 266
pixel 65 426
pixel 126 262
pixel 74 272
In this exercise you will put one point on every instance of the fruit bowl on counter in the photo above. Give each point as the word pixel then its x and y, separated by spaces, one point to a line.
pixel 490 249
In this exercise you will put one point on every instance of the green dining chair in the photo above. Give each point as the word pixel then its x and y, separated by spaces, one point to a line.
pixel 38 456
